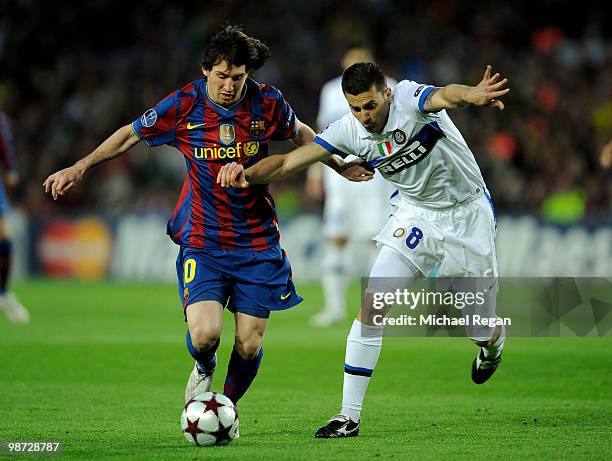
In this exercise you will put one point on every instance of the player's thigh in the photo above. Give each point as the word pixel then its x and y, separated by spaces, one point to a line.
pixel 262 283
pixel 417 238
pixel 469 248
pixel 202 276
pixel 205 322
pixel 391 271
pixel 204 291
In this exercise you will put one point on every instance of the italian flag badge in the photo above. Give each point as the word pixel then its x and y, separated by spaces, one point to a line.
pixel 384 148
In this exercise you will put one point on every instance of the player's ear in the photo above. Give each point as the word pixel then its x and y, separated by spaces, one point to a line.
pixel 206 72
pixel 388 93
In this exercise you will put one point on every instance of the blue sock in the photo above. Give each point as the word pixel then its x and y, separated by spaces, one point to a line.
pixel 240 375
pixel 205 360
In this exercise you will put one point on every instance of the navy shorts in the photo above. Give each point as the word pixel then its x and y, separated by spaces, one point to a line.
pixel 251 282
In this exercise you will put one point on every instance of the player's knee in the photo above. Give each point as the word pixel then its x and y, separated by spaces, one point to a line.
pixel 492 340
pixel 367 316
pixel 203 337
pixel 370 310
pixel 486 343
pixel 248 346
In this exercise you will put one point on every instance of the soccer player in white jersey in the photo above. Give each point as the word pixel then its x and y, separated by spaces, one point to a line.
pixel 343 222
pixel 444 216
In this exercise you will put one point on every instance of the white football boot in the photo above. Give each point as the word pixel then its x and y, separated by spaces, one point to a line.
pixel 197 383
pixel 13 309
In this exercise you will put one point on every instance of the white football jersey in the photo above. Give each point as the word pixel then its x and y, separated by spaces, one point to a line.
pixel 422 154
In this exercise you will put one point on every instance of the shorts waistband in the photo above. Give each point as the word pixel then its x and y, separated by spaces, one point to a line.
pixel 478 193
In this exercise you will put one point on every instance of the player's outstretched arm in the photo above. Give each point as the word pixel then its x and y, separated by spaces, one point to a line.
pixel 305 135
pixel 486 93
pixel 272 168
pixel 118 143
pixel 277 167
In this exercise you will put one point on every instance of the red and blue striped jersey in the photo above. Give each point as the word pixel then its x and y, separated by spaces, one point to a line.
pixel 209 136
pixel 7 154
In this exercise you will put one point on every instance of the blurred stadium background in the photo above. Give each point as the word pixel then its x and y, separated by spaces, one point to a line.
pixel 102 364
pixel 71 76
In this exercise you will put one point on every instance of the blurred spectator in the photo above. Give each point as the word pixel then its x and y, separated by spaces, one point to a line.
pixel 9 303
pixel 67 81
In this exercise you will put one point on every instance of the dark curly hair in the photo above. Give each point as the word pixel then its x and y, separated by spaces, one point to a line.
pixel 231 44
pixel 360 77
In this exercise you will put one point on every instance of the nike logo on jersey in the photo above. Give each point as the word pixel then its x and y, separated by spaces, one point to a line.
pixel 284 297
pixel 416 149
pixel 191 127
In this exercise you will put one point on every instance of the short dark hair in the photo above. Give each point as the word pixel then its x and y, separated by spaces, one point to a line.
pixel 361 76
pixel 231 44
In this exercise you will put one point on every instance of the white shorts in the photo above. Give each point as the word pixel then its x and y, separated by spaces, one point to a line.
pixel 455 242
pixel 354 209
pixel 455 245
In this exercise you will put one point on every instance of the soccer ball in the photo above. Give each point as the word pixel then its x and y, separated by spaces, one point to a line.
pixel 210 419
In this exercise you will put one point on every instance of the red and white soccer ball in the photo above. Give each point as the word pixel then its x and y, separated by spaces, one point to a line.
pixel 210 419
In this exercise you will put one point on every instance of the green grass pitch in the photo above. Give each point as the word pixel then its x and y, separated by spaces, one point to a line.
pixel 102 367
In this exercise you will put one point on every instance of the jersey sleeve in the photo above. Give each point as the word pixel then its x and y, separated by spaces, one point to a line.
pixel 411 96
pixel 336 138
pixel 284 120
pixel 157 125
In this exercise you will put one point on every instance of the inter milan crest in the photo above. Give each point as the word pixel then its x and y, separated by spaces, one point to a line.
pixel 257 128
pixel 227 134
pixel 399 136
pixel 399 232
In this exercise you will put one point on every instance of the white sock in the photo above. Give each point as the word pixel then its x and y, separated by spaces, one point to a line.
pixel 362 350
pixel 497 347
pixel 334 281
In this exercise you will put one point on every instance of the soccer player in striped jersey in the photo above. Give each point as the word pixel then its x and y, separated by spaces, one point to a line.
pixel 229 254
pixel 9 303
pixel 443 220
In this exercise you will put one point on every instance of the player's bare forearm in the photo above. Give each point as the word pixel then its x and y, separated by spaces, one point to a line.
pixel 118 143
pixel 449 97
pixel 277 167
pixel 335 162
pixel 304 134
pixel 486 93
pixel 271 168
pixel 356 171
pixel 115 145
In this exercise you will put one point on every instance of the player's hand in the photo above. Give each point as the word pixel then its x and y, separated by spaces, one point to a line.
pixel 488 91
pixel 357 171
pixel 62 181
pixel 232 174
